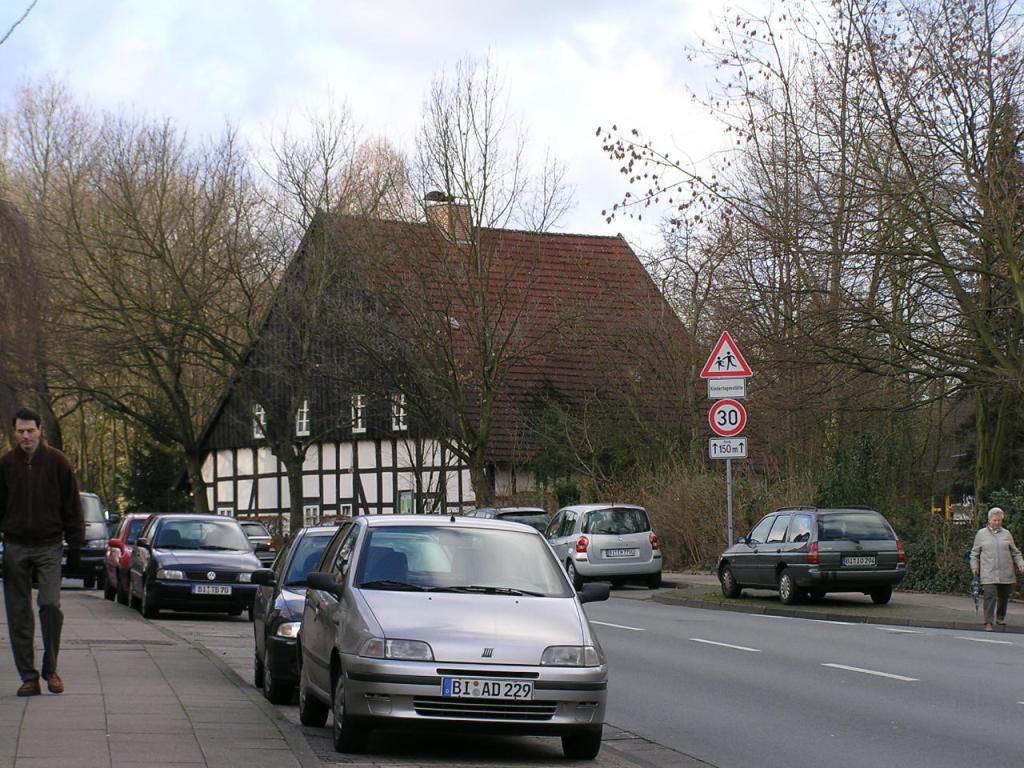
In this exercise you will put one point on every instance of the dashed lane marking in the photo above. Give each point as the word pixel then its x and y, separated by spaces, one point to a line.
pixel 900 631
pixel 984 640
pixel 726 645
pixel 872 672
pixel 617 626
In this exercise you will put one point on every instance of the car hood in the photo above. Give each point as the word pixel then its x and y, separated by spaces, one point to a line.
pixel 235 561
pixel 459 627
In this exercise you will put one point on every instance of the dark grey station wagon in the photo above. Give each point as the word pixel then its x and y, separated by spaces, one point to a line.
pixel 808 552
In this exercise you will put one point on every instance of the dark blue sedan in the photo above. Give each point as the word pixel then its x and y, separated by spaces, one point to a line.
pixel 192 563
pixel 277 612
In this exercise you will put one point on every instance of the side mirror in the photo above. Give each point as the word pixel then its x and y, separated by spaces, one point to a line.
pixel 265 577
pixel 594 592
pixel 141 542
pixel 116 544
pixel 324 582
pixel 742 540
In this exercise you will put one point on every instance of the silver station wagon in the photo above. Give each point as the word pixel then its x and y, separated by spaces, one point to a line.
pixel 607 542
pixel 449 622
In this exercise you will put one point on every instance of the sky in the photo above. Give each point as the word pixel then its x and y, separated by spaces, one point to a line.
pixel 569 66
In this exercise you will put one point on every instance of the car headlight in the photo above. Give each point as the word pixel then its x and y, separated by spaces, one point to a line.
pixel 403 650
pixel 288 629
pixel 245 578
pixel 170 575
pixel 96 544
pixel 571 656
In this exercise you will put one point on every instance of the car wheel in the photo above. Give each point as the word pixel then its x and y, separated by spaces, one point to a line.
pixel 248 612
pixel 582 745
pixel 258 676
pixel 312 711
pixel 574 577
pixel 109 590
pixel 654 581
pixel 789 593
pixel 348 735
pixel 150 609
pixel 275 691
pixel 135 602
pixel 88 582
pixel 730 587
pixel 122 593
pixel 881 595
pixel 619 581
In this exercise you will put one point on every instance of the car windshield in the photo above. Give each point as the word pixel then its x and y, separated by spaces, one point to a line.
pixel 304 559
pixel 255 529
pixel 617 521
pixel 474 560
pixel 538 520
pixel 201 534
pixel 135 527
pixel 92 509
pixel 854 526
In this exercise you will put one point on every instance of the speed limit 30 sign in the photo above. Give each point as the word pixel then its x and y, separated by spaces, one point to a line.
pixel 727 417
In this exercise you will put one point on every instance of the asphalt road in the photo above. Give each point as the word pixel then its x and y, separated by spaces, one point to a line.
pixel 694 687
pixel 738 690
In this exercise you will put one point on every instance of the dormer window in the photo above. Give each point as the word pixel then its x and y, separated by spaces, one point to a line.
pixel 398 415
pixel 358 414
pixel 259 422
pixel 302 420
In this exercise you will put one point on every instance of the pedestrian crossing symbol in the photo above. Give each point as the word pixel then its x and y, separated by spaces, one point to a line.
pixel 726 361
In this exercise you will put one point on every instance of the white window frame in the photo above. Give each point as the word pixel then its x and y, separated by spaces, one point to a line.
pixel 259 421
pixel 346 509
pixel 226 511
pixel 399 422
pixel 311 515
pixel 358 414
pixel 302 420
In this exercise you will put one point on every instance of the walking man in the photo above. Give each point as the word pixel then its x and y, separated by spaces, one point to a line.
pixel 993 557
pixel 39 506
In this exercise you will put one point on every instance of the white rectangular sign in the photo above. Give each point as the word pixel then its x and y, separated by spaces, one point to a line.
pixel 727 448
pixel 723 388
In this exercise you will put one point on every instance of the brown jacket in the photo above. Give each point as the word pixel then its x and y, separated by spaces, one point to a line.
pixel 39 501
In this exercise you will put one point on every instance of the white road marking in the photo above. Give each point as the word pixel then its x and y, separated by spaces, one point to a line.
pixel 726 645
pixel 872 672
pixel 984 640
pixel 900 631
pixel 841 623
pixel 617 626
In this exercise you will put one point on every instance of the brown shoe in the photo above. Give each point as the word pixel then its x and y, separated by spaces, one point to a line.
pixel 29 688
pixel 55 684
pixel 988 627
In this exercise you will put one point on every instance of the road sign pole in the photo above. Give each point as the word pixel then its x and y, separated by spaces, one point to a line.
pixel 728 495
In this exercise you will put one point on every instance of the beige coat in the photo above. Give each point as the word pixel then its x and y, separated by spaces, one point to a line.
pixel 997 554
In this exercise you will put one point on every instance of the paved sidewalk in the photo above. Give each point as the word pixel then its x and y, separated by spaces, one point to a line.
pixel 137 696
pixel 912 609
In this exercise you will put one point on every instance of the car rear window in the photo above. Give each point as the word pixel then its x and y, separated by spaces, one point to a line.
pixel 305 558
pixel 92 510
pixel 856 526
pixel 254 529
pixel 617 522
pixel 537 520
pixel 135 527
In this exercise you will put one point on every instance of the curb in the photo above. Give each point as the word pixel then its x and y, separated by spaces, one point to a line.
pixel 796 613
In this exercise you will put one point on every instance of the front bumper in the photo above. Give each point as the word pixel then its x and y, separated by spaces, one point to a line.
pixel 283 659
pixel 565 698
pixel 178 595
pixel 91 562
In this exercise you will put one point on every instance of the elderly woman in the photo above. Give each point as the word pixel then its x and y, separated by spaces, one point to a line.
pixel 992 559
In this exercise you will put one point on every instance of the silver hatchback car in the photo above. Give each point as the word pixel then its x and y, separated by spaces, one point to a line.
pixel 449 622
pixel 610 542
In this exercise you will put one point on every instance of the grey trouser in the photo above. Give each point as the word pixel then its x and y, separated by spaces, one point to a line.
pixel 996 593
pixel 20 562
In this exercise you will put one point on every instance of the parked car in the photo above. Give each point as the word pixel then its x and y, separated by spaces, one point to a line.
pixel 808 552
pixel 456 622
pixel 262 542
pixel 277 612
pixel 610 542
pixel 535 517
pixel 118 560
pixel 94 549
pixel 191 562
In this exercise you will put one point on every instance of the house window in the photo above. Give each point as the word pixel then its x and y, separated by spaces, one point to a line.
pixel 398 420
pixel 302 420
pixel 259 421
pixel 346 509
pixel 358 413
pixel 406 501
pixel 310 514
pixel 226 511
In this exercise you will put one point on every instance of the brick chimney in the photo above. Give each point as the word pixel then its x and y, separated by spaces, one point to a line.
pixel 451 217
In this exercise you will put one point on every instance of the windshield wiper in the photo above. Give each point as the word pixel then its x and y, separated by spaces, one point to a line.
pixel 218 547
pixel 391 584
pixel 482 590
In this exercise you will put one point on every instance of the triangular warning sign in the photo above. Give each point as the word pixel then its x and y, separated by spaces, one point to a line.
pixel 726 361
